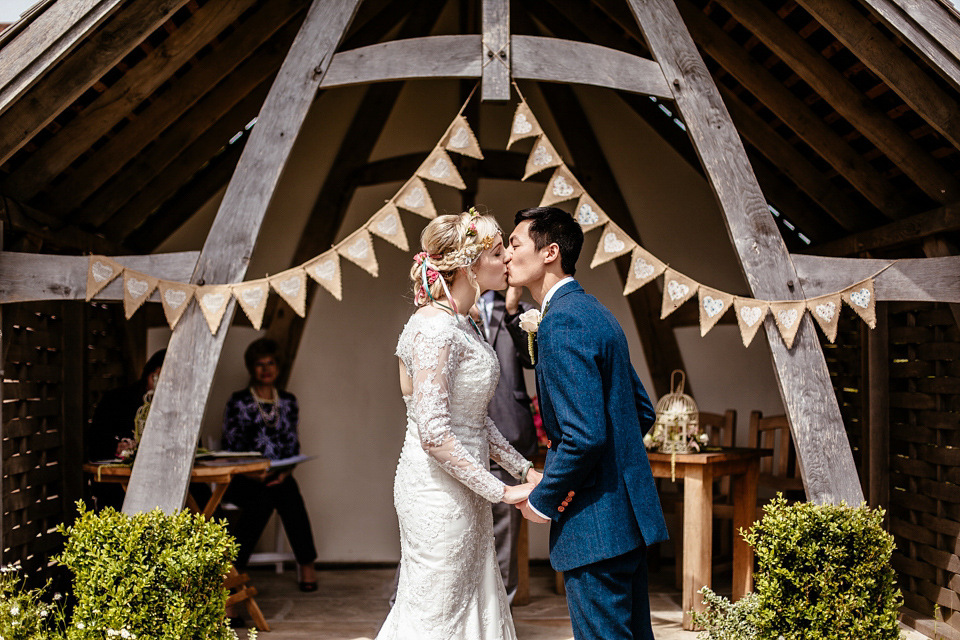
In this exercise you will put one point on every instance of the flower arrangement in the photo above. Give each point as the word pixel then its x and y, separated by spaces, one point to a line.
pixel 538 422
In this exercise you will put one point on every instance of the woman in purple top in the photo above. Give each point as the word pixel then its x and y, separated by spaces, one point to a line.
pixel 263 418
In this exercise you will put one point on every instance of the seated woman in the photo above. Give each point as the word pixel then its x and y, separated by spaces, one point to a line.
pixel 263 418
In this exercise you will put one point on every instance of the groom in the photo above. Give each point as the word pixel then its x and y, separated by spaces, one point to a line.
pixel 597 488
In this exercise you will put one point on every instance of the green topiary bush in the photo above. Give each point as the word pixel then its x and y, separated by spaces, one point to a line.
pixel 824 573
pixel 148 576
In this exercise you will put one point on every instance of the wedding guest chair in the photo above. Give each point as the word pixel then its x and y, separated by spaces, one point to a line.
pixel 780 471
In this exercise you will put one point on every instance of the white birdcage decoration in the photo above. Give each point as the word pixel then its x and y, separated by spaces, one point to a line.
pixel 677 427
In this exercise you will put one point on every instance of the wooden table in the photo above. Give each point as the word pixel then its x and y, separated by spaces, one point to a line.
pixel 698 471
pixel 218 472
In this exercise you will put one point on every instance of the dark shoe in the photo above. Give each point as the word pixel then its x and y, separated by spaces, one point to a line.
pixel 308 587
pixel 237 623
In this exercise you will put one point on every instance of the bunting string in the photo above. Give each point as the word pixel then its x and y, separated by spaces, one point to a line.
pixel 414 197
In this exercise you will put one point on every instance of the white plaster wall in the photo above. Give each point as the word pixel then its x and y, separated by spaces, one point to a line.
pixel 345 373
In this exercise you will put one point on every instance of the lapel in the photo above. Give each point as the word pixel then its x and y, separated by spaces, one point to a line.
pixel 496 317
pixel 570 287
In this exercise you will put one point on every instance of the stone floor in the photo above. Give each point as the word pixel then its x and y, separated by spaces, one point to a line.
pixel 351 603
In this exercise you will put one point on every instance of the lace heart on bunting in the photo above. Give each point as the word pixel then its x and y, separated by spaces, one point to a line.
pixel 863 301
pixel 213 300
pixel 589 214
pixel 292 287
pixel 416 198
pixel 713 304
pixel 325 269
pixel 252 298
pixel 358 249
pixel 460 138
pixel 788 316
pixel 438 167
pixel 562 186
pixel 137 287
pixel 644 267
pixel 542 156
pixel 175 298
pixel 386 224
pixel 750 314
pixel 826 312
pixel 524 124
pixel 677 289
pixel 613 243
pixel 101 271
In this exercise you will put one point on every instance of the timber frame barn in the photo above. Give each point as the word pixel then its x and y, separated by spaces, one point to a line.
pixel 843 116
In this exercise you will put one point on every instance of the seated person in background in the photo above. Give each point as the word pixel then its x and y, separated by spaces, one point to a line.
pixel 111 430
pixel 262 418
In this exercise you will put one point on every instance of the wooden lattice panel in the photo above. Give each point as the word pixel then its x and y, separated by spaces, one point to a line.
pixel 845 362
pixel 32 437
pixel 925 458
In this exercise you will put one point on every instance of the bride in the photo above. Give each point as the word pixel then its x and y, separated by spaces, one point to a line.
pixel 450 585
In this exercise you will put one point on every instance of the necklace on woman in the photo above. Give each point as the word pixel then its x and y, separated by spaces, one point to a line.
pixel 270 416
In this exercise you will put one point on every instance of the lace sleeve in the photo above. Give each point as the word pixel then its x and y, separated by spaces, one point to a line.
pixel 432 364
pixel 503 453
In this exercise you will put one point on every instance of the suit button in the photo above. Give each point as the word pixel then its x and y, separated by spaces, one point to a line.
pixel 560 508
pixel 570 494
pixel 549 444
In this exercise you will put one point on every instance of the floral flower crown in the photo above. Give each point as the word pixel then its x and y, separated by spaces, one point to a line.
pixel 462 257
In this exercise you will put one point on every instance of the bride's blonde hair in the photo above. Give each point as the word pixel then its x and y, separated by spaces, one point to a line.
pixel 449 243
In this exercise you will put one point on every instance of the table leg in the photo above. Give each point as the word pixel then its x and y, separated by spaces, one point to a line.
pixel 744 515
pixel 697 537
pixel 522 596
pixel 220 488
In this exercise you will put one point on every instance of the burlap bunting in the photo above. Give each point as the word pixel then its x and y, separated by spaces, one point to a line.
pixel 542 157
pixel 460 139
pixel 213 300
pixel 325 269
pixel 175 298
pixel 358 249
pixel 644 267
pixel 713 304
pixel 524 124
pixel 292 287
pixel 750 315
pixel 386 224
pixel 562 186
pixel 101 272
pixel 826 311
pixel 861 299
pixel 677 289
pixel 415 197
pixel 613 242
pixel 252 298
pixel 438 167
pixel 137 287
pixel 589 214
pixel 788 315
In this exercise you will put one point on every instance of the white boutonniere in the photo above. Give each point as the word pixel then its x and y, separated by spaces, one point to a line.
pixel 530 322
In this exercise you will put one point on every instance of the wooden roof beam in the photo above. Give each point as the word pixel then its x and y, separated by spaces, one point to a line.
pixel 25 219
pixel 119 99
pixel 927 28
pixel 59 88
pixel 340 183
pixel 823 449
pixel 126 188
pixel 161 472
pixel 495 82
pixel 943 219
pixel 905 152
pixel 917 279
pixel 792 112
pixel 45 41
pixel 893 66
pixel 169 108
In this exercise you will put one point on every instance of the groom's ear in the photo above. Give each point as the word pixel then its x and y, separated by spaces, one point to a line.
pixel 552 253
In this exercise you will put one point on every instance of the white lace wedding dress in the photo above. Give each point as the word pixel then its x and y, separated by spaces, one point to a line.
pixel 450 586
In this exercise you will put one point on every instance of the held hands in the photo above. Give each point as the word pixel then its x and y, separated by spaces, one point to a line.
pixel 534 477
pixel 512 296
pixel 529 514
pixel 518 493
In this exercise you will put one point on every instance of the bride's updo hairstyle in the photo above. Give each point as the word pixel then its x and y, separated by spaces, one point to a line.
pixel 448 243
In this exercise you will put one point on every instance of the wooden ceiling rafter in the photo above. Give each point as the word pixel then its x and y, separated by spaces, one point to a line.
pixel 127 190
pixel 115 104
pixel 58 88
pixel 847 100
pixel 73 195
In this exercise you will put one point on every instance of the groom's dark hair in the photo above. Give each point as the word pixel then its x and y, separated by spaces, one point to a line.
pixel 549 225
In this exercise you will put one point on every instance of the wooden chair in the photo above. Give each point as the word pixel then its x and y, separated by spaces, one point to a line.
pixel 779 472
pixel 721 428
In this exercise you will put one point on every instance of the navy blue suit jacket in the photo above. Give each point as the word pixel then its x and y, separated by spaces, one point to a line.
pixel 595 412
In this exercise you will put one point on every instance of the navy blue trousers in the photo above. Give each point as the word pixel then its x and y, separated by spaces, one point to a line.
pixel 610 599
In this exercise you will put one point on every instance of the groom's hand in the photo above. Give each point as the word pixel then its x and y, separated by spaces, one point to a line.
pixel 529 514
pixel 512 302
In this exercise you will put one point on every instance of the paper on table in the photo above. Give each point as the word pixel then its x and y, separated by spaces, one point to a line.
pixel 289 462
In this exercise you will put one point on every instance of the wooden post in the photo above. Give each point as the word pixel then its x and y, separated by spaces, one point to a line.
pixel 162 469
pixel 829 473
pixel 878 416
pixel 73 344
pixel 697 536
pixel 496 50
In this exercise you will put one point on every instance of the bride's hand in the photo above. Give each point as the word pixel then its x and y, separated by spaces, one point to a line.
pixel 534 477
pixel 518 493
